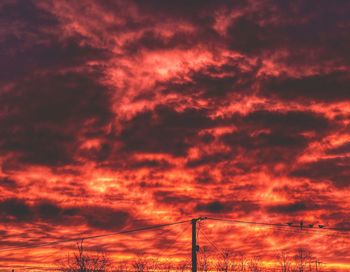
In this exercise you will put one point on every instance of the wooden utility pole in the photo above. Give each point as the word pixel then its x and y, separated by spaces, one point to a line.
pixel 195 247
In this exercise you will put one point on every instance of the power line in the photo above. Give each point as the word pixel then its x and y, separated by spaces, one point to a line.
pixel 280 227
pixel 247 222
pixel 306 231
pixel 303 231
pixel 286 225
pixel 95 236
pixel 283 227
pixel 18 235
pixel 177 237
pixel 212 243
pixel 340 229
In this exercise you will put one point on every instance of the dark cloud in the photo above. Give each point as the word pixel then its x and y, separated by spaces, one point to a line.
pixel 205 177
pixel 216 81
pixel 164 130
pixel 340 215
pixel 15 210
pixel 47 210
pixel 100 153
pixel 41 147
pixel 266 138
pixel 209 159
pixel 73 189
pixel 30 45
pixel 171 198
pixel 51 55
pixel 297 207
pixel 335 170
pixel 153 41
pixel 40 103
pixel 45 116
pixel 198 11
pixel 214 207
pixel 159 164
pixel 342 149
pixel 296 27
pixel 18 210
pixel 129 162
pixel 227 207
pixel 105 218
pixel 287 121
pixel 264 149
pixel 28 13
pixel 8 183
pixel 248 36
pixel 322 87
pixel 343 225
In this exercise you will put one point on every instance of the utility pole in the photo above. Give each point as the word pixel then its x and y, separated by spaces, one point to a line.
pixel 195 247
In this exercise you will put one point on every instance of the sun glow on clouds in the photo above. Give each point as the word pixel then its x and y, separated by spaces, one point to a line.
pixel 122 114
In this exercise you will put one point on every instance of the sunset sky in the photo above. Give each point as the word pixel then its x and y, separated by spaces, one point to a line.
pixel 116 115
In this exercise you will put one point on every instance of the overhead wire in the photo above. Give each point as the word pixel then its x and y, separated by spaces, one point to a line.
pixel 304 231
pixel 94 236
pixel 213 244
pixel 177 237
pixel 279 226
pixel 285 225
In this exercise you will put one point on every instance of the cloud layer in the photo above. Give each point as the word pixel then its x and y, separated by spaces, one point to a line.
pixel 120 114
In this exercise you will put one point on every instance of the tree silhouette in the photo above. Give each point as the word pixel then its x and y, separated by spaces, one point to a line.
pixel 299 261
pixel 303 260
pixel 224 263
pixel 86 262
pixel 284 261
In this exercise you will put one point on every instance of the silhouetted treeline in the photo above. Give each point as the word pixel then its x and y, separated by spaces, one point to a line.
pixel 299 260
